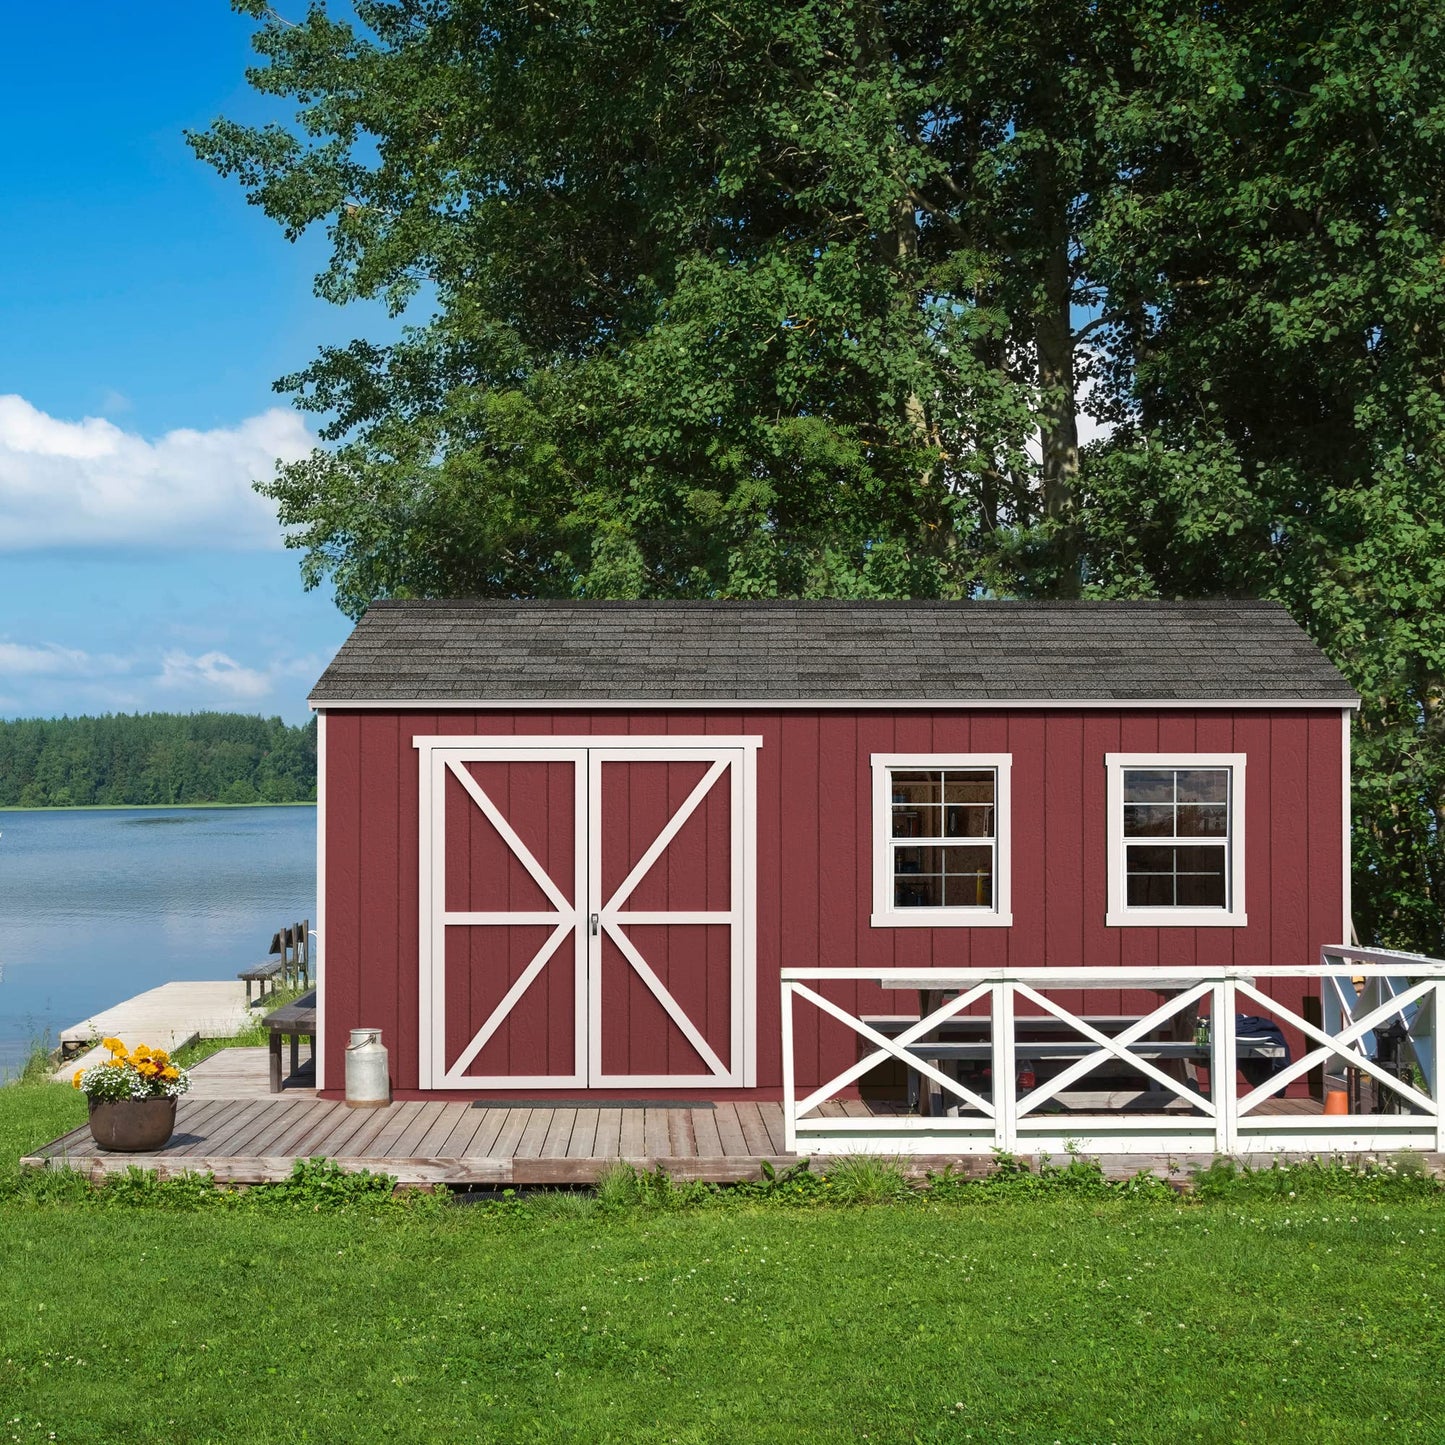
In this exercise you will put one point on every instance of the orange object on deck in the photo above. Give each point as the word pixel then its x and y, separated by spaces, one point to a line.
pixel 1337 1102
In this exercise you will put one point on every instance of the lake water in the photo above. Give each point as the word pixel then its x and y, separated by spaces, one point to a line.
pixel 96 906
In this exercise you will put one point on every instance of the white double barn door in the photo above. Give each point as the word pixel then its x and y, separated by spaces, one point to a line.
pixel 587 913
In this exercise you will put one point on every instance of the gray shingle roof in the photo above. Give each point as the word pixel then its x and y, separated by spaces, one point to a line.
pixel 836 652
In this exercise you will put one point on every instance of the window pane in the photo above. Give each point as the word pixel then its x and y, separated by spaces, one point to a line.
pixel 924 891
pixel 1200 820
pixel 968 820
pixel 1203 785
pixel 917 798
pixel 1187 877
pixel 1200 877
pixel 917 821
pixel 1150 890
pixel 918 860
pixel 1149 877
pixel 968 877
pixel 1148 785
pixel 971 787
pixel 913 787
pixel 1148 820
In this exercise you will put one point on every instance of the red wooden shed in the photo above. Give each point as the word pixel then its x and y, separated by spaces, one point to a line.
pixel 567 848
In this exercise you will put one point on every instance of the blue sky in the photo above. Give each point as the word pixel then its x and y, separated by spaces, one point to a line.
pixel 145 311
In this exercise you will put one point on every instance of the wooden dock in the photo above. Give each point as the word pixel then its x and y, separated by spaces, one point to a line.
pixel 165 1018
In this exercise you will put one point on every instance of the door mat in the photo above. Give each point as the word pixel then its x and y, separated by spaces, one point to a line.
pixel 591 1104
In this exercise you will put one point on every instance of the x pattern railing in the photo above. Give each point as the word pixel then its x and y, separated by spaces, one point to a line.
pixel 1361 990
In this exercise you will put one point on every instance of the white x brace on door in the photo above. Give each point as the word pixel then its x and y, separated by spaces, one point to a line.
pixel 587 912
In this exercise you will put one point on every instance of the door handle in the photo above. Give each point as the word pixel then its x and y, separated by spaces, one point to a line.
pixel 595 927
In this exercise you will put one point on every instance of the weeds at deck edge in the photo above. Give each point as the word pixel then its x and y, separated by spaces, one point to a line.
pixel 323 1185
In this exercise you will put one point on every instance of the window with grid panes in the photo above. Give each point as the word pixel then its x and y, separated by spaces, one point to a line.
pixel 1176 830
pixel 943 837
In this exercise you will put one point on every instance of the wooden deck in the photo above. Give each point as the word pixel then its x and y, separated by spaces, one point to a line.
pixel 242 1074
pixel 257 1139
pixel 234 1128
pixel 231 1126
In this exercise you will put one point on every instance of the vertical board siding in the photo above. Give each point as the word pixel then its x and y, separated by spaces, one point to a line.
pixel 814 850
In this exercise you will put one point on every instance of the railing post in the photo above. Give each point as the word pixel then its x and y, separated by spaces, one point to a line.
pixel 1437 1082
pixel 790 1095
pixel 1005 1073
pixel 1224 1068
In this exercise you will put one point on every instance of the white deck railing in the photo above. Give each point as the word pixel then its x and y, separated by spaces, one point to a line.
pixel 1173 1113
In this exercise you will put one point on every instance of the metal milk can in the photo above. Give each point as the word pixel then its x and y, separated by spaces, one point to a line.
pixel 368 1078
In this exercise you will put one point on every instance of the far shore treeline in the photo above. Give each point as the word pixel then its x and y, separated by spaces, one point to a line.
pixel 155 758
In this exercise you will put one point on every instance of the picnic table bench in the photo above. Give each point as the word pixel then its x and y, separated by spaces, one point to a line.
pixel 966 1039
pixel 268 971
pixel 288 961
pixel 294 1021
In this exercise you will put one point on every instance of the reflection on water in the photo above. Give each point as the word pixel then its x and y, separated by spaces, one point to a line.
pixel 98 905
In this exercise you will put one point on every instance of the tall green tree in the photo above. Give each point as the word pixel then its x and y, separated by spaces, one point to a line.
pixel 1276 263
pixel 759 296
pixel 731 298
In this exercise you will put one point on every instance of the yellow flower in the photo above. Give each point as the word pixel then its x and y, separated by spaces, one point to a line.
pixel 114 1045
pixel 161 1057
pixel 170 1072
pixel 76 1080
pixel 141 1052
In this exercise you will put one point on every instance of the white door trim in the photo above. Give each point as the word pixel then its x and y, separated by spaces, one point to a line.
pixel 435 764
pixel 736 756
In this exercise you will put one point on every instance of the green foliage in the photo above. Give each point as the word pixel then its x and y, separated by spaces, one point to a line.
pixel 624 1187
pixel 867 1179
pixel 155 758
pixel 803 299
pixel 1398 1178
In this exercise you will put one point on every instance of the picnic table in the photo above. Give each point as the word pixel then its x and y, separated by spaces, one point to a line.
pixel 956 1040
pixel 295 1021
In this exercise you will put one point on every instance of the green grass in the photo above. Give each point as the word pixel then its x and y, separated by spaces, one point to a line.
pixel 1037 1312
pixel 33 1113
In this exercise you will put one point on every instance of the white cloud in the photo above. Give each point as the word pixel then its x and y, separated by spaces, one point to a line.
pixel 91 483
pixel 213 672
pixel 46 678
pixel 48 660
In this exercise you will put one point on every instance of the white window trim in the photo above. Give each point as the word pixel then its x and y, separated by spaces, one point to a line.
pixel 1119 914
pixel 885 915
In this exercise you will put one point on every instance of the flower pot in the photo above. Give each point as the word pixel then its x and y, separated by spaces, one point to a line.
pixel 132 1126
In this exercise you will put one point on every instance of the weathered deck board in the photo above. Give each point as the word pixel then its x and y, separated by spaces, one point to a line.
pixel 559 1133
pixel 729 1130
pixel 705 1134
pixel 608 1143
pixel 584 1134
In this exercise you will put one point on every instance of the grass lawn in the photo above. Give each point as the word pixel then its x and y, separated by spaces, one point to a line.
pixel 1051 1318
